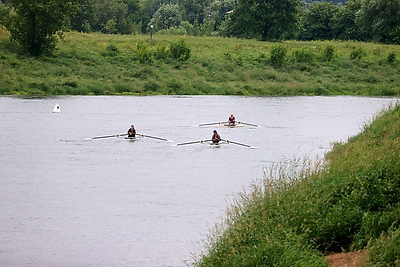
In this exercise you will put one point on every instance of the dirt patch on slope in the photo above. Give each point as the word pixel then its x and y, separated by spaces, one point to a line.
pixel 349 259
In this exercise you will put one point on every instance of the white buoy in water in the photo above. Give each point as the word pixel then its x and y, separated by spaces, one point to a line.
pixel 56 108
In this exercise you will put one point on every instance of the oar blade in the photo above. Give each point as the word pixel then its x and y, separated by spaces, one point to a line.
pixel 155 137
pixel 239 144
pixel 211 123
pixel 192 142
pixel 104 136
pixel 246 123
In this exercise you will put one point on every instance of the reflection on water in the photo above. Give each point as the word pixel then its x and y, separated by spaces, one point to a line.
pixel 68 201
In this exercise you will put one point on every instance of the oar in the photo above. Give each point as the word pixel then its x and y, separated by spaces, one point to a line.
pixel 240 144
pixel 193 142
pixel 155 137
pixel 104 136
pixel 211 123
pixel 255 125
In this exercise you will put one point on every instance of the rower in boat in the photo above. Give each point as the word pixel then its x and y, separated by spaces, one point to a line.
pixel 132 132
pixel 231 120
pixel 215 138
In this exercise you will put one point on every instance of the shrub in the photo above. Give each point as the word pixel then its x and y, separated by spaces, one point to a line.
pixel 278 55
pixel 328 53
pixel 151 86
pixel 111 50
pixel 111 26
pixel 303 55
pixel 180 50
pixel 189 28
pixel 391 57
pixel 143 52
pixel 162 52
pixel 357 53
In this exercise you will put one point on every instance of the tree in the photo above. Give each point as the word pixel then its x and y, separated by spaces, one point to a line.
pixel 148 8
pixel 346 27
pixel 381 18
pixel 217 10
pixel 98 14
pixel 115 10
pixel 37 24
pixel 111 26
pixel 265 19
pixel 319 21
pixel 4 14
pixel 194 10
pixel 86 17
pixel 166 16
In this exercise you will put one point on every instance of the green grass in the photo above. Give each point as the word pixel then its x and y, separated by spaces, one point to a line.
pixel 92 64
pixel 302 210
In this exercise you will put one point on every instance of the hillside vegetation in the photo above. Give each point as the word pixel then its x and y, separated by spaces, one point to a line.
pixel 97 64
pixel 298 212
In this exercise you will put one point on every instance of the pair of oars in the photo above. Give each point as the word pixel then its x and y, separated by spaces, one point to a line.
pixel 225 122
pixel 118 135
pixel 204 141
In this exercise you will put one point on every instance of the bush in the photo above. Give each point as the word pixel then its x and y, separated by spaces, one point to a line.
pixel 328 53
pixel 111 50
pixel 162 52
pixel 151 86
pixel 303 55
pixel 4 13
pixel 111 26
pixel 180 50
pixel 278 55
pixel 357 53
pixel 391 57
pixel 189 28
pixel 143 52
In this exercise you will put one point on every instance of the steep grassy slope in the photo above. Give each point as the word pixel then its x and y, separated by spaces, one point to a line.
pixel 95 64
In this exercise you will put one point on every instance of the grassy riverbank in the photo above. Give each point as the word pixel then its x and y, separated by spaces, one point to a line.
pixel 96 64
pixel 295 216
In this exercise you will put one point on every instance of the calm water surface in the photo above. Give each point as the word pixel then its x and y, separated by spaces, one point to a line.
pixel 67 201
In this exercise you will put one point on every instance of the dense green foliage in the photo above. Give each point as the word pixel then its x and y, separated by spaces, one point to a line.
pixel 88 64
pixel 95 15
pixel 380 19
pixel 318 21
pixel 35 23
pixel 350 201
pixel 167 16
pixel 361 20
pixel 267 20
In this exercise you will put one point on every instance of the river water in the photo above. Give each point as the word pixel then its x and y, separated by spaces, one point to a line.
pixel 69 201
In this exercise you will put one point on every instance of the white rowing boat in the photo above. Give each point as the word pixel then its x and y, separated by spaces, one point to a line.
pixel 230 126
pixel 131 139
pixel 215 145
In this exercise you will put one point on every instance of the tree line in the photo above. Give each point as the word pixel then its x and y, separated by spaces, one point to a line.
pixel 362 20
